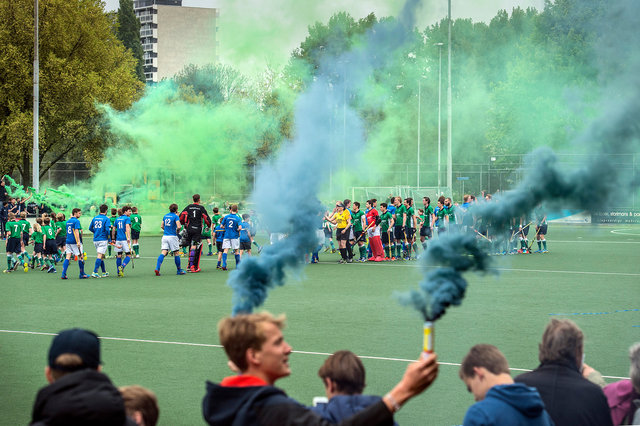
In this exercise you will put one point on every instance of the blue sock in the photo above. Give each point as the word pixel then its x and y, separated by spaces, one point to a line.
pixel 104 269
pixel 118 262
pixel 81 265
pixel 125 262
pixel 224 260
pixel 237 256
pixel 65 265
pixel 97 265
pixel 160 259
pixel 177 260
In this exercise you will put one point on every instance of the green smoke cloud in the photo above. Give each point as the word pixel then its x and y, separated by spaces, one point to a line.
pixel 173 147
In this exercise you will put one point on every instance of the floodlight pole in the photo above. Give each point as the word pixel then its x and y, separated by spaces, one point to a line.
pixel 449 157
pixel 36 101
pixel 439 116
pixel 418 157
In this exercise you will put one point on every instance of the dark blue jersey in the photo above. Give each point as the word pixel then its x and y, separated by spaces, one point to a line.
pixel 100 227
pixel 244 233
pixel 73 223
pixel 121 227
pixel 170 222
pixel 231 225
pixel 219 233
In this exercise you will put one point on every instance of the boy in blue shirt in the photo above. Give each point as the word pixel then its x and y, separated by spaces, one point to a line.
pixel 246 239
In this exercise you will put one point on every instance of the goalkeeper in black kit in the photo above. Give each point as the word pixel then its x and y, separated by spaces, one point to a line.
pixel 192 218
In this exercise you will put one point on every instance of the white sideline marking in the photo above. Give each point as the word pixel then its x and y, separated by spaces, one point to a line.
pixel 417 265
pixel 619 232
pixel 414 264
pixel 206 345
pixel 599 242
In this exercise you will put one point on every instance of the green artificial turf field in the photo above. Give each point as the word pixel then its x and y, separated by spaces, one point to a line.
pixel 160 332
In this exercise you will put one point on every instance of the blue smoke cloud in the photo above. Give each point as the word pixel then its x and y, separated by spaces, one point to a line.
pixel 286 190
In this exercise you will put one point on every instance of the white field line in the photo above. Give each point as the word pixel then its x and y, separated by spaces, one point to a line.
pixel 620 232
pixel 205 345
pixel 404 264
pixel 414 264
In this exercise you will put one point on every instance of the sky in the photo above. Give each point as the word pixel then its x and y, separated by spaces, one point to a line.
pixel 256 33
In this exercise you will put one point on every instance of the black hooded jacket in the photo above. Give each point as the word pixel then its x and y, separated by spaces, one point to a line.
pixel 85 397
pixel 268 405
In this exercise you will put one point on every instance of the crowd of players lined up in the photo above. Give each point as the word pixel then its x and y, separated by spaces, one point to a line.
pixel 57 239
pixel 393 232
pixel 389 234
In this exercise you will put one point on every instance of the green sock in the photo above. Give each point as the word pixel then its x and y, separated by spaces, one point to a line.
pixel 544 244
pixel 9 262
pixel 424 246
pixel 109 248
pixel 136 249
pixel 386 251
pixel 210 248
pixel 539 245
pixel 363 252
pixel 398 250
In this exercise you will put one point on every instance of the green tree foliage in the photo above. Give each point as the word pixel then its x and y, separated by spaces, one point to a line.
pixel 129 34
pixel 214 83
pixel 515 81
pixel 82 63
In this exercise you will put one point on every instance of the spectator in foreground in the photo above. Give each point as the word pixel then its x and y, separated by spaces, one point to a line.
pixel 500 401
pixel 78 393
pixel 343 376
pixel 569 398
pixel 141 405
pixel 624 396
pixel 256 346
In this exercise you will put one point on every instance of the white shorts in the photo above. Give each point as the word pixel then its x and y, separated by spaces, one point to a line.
pixel 122 246
pixel 170 242
pixel 101 246
pixel 233 244
pixel 72 249
pixel 351 234
pixel 320 236
pixel 374 231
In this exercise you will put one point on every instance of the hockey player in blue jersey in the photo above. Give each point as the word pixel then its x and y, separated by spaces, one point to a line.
pixel 73 243
pixel 123 240
pixel 231 225
pixel 170 241
pixel 100 226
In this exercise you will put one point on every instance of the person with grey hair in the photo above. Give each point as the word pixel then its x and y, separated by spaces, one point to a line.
pixel 569 398
pixel 624 396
